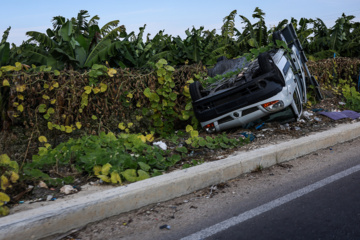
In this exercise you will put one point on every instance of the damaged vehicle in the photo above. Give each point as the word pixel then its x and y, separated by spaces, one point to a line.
pixel 271 86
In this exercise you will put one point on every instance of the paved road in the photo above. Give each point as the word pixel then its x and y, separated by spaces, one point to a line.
pixel 328 209
pixel 331 211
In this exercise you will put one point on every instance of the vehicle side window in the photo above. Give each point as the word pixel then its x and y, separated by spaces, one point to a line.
pixel 286 68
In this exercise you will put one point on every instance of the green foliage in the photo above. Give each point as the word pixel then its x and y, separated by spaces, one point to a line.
pixel 8 175
pixel 163 100
pixel 352 98
pixel 111 154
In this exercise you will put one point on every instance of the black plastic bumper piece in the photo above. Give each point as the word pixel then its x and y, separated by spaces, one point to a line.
pixel 228 100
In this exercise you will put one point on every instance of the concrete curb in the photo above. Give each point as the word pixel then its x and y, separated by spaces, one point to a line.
pixel 75 213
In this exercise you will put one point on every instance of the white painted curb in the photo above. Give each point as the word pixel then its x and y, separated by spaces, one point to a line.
pixel 64 216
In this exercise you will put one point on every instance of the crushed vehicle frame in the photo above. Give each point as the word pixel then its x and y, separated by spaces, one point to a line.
pixel 274 82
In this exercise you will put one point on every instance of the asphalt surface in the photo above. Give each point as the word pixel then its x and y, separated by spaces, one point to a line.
pixel 330 212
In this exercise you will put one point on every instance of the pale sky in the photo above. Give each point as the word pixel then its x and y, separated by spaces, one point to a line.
pixel 172 16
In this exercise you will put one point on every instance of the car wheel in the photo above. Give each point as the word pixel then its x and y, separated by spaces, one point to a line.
pixel 266 63
pixel 195 90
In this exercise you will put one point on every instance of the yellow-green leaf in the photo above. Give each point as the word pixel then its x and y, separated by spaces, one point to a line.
pixel 111 72
pixel 68 129
pixel 97 170
pixel 4 159
pixel 104 178
pixel 53 101
pixel 56 85
pixel 4 198
pixel 46 85
pixel 42 139
pixel 18 66
pixel 194 133
pixel 189 128
pixel 4 210
pixel 96 90
pixel 78 125
pixel 20 88
pixel 47 145
pixel 20 108
pixel 94 117
pixel 130 95
pixel 121 126
pixel 103 87
pixel 21 97
pixel 143 138
pixel 88 89
pixel 130 124
pixel 6 83
pixel 115 177
pixel 14 177
pixel 50 111
pixel 5 183
pixel 56 73
pixel 50 125
pixel 150 137
pixel 46 97
pixel 105 169
pixel 62 128
pixel 8 68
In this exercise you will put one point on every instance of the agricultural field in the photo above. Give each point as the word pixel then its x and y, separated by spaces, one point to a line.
pixel 83 102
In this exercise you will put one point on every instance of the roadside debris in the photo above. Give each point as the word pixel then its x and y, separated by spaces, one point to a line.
pixel 340 115
pixel 168 227
pixel 68 189
pixel 161 145
pixel 42 185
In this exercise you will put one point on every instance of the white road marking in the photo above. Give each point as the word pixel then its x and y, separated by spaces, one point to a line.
pixel 207 232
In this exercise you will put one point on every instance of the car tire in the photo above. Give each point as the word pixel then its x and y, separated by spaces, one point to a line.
pixel 266 63
pixel 195 89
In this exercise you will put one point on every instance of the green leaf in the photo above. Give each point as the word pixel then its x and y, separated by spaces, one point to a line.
pixel 144 166
pixel 182 149
pixel 173 96
pixel 42 108
pixel 147 92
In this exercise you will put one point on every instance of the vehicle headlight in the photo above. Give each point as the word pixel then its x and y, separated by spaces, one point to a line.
pixel 273 106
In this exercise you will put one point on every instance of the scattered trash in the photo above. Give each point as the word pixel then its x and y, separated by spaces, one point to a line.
pixel 317 119
pixel 307 114
pixel 285 127
pixel 259 126
pixel 165 227
pixel 36 200
pixel 42 185
pixel 297 128
pixel 342 103
pixel 49 197
pixel 68 189
pixel 245 135
pixel 161 145
pixel 340 115
pixel 317 109
pixel 21 202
